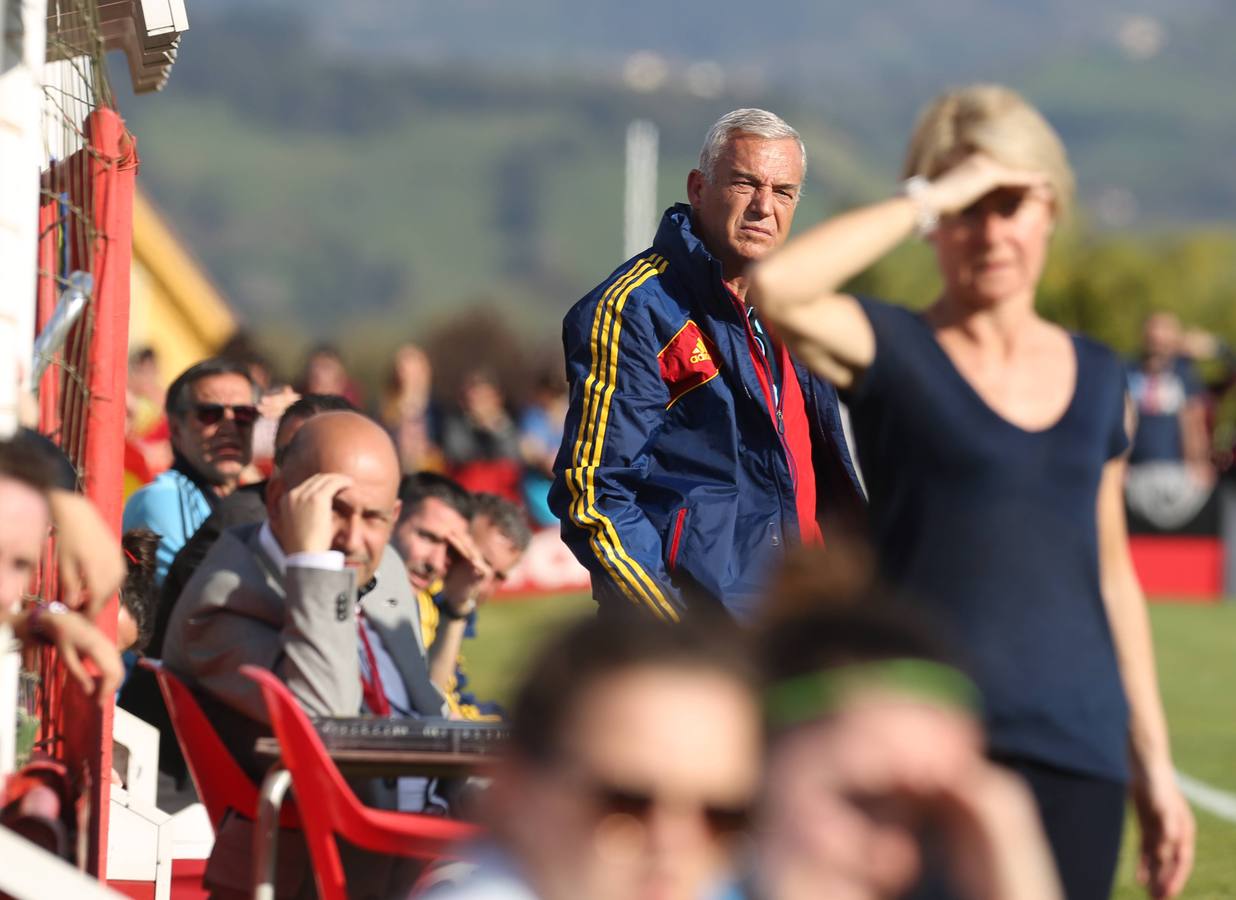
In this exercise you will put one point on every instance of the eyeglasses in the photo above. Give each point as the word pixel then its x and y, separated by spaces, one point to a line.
pixel 724 821
pixel 213 413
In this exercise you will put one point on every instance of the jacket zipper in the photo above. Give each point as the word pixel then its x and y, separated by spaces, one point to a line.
pixel 672 562
pixel 755 350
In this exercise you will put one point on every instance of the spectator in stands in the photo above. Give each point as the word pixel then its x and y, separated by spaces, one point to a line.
pixel 479 438
pixel 1170 473
pixel 500 534
pixel 139 469
pixel 433 524
pixel 1171 412
pixel 90 564
pixel 448 571
pixel 244 506
pixel 241 347
pixel 139 597
pixel 147 449
pixel 407 409
pixel 540 435
pixel 146 384
pixel 27 477
pixel 325 373
pixel 633 763
pixel 1219 358
pixel 211 411
pixel 874 773
pixel 315 595
pixel 33 475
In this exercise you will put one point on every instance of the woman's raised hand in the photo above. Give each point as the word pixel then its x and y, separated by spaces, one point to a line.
pixel 974 177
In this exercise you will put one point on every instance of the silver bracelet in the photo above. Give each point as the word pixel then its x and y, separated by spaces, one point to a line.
pixel 38 612
pixel 926 216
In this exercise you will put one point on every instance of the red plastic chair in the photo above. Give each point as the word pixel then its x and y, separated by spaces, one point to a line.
pixel 220 781
pixel 331 808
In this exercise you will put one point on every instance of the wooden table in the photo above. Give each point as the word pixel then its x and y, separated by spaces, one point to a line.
pixel 392 761
pixel 386 762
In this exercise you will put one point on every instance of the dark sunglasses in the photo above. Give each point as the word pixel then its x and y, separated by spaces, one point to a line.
pixel 723 821
pixel 212 413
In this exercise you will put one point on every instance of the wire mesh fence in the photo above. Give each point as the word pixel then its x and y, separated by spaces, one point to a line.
pixel 84 227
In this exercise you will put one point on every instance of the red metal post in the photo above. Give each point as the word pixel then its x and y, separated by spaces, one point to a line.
pixel 112 174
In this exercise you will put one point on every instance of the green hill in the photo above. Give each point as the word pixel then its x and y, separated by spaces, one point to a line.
pixel 320 191
pixel 324 187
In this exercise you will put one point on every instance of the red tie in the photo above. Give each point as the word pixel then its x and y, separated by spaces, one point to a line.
pixel 371 687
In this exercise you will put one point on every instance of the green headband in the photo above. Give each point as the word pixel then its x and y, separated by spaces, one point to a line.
pixel 805 697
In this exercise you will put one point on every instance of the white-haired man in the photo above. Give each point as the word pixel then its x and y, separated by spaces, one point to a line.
pixel 696 449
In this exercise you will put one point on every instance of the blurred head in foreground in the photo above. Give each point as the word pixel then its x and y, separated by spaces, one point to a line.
pixel 25 479
pixel 995 249
pixel 634 761
pixel 874 745
pixel 994 120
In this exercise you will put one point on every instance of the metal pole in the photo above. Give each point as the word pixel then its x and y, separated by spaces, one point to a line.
pixel 640 210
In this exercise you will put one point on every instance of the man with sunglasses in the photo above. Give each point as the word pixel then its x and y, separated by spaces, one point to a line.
pixel 210 411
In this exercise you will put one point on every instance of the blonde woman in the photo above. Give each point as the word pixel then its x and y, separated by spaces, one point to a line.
pixel 993 443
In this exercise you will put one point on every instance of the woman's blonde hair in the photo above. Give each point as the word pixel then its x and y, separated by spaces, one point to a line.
pixel 995 120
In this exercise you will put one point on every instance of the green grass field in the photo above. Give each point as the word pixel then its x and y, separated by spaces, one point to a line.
pixel 1197 668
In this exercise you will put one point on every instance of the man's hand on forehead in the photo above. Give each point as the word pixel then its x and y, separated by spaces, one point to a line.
pixel 306 512
pixel 465 550
pixel 467 573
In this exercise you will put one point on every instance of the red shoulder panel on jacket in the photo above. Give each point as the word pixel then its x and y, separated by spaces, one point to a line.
pixel 687 361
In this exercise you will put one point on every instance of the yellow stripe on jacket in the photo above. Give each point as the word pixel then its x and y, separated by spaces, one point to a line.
pixel 599 389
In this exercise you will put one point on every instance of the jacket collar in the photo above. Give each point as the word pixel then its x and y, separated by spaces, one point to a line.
pixel 184 467
pixel 677 241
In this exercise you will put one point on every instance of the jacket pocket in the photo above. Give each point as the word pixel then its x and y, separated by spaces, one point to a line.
pixel 675 544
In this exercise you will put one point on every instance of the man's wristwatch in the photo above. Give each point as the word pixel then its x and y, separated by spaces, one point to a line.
pixel 456 615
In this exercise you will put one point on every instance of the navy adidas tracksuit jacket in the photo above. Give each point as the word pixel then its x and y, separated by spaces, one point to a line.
pixel 673 485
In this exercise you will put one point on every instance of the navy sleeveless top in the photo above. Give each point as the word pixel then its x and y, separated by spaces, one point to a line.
pixel 994 530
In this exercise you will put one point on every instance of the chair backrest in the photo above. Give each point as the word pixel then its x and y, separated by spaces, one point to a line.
pixel 220 781
pixel 328 805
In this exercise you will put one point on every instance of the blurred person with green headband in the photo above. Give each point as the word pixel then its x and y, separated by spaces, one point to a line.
pixel 875 780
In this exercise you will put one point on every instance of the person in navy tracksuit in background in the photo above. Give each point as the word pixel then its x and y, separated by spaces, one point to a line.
pixel 696 448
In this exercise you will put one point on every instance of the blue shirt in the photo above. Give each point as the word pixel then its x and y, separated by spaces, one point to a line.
pixel 171 506
pixel 994 530
pixel 1160 398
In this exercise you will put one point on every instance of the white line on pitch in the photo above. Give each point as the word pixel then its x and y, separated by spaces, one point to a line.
pixel 1204 796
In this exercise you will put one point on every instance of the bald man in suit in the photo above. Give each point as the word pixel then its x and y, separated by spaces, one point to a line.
pixel 316 595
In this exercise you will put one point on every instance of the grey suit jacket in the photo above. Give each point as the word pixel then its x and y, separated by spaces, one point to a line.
pixel 238 609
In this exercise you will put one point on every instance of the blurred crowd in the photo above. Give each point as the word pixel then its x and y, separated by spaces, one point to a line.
pixel 1179 386
pixel 475 429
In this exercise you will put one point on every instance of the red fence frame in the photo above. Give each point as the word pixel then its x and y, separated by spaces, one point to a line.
pixel 90 423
